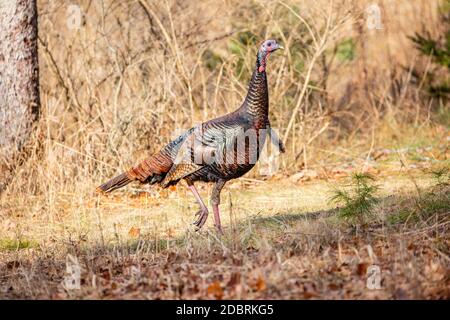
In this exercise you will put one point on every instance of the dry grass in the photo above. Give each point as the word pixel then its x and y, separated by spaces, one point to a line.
pixel 283 248
pixel 291 244
pixel 135 72
pixel 129 79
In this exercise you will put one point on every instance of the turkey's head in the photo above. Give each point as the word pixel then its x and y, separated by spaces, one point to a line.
pixel 266 48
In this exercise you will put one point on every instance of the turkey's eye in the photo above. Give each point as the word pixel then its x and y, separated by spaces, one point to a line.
pixel 269 44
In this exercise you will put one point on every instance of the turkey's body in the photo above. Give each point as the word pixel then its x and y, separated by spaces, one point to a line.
pixel 236 139
pixel 241 148
pixel 218 150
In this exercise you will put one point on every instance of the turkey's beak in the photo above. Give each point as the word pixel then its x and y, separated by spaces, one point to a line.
pixel 280 47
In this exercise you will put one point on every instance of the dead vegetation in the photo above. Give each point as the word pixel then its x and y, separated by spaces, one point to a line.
pixel 291 245
pixel 343 97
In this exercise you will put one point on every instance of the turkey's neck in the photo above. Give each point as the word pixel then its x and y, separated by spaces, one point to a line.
pixel 256 103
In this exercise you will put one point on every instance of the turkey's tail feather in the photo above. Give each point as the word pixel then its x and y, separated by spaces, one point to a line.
pixel 115 183
pixel 152 170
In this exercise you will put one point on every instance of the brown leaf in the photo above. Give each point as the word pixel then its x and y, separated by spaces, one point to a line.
pixel 134 232
pixel 334 286
pixel 310 294
pixel 105 274
pixel 401 294
pixel 304 175
pixel 362 269
pixel 339 172
pixel 12 264
pixel 170 232
pixel 435 271
pixel 260 284
pixel 216 290
pixel 235 278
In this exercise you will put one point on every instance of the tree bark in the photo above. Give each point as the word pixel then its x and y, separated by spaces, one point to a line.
pixel 19 82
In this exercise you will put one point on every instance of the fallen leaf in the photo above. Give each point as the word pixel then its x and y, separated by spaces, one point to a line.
pixel 339 172
pixel 235 278
pixel 362 269
pixel 334 286
pixel 435 272
pixel 105 274
pixel 401 294
pixel 260 284
pixel 170 232
pixel 304 175
pixel 216 290
pixel 310 294
pixel 12 264
pixel 134 232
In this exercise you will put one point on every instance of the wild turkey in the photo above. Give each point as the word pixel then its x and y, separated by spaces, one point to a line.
pixel 216 151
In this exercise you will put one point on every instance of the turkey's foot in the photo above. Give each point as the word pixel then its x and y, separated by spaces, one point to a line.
pixel 202 216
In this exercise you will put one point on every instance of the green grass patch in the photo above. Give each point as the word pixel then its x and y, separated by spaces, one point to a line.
pixel 14 244
pixel 346 50
pixel 433 202
pixel 357 198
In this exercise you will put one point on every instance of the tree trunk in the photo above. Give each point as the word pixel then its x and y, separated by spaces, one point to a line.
pixel 19 82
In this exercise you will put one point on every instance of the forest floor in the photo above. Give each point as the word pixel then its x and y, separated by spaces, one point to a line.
pixel 283 239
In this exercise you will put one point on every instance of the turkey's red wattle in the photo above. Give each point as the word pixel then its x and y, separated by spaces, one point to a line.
pixel 262 67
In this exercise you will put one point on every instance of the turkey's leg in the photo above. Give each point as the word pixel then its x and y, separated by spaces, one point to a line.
pixel 217 223
pixel 203 212
pixel 215 201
